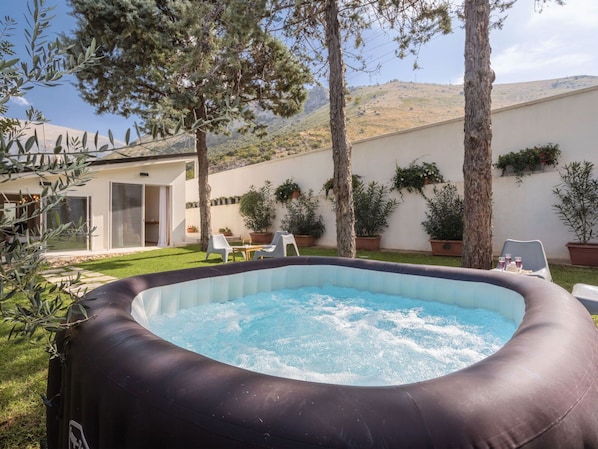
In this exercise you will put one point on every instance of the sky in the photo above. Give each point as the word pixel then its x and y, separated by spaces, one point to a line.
pixel 556 43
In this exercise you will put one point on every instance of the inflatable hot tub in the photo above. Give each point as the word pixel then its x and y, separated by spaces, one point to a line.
pixel 121 386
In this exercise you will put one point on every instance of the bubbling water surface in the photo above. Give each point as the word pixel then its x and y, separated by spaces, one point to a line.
pixel 338 335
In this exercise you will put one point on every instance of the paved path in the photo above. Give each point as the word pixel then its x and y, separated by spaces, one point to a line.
pixel 61 270
pixel 66 275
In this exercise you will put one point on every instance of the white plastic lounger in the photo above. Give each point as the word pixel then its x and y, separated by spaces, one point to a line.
pixel 280 250
pixel 219 245
pixel 533 255
pixel 588 296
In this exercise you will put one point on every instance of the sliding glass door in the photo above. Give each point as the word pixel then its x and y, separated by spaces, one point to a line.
pixel 73 210
pixel 127 215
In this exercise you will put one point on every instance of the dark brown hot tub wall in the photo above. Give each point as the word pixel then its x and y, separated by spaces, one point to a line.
pixel 123 387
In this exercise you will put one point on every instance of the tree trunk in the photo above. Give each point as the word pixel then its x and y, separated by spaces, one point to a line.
pixel 205 215
pixel 341 146
pixel 477 164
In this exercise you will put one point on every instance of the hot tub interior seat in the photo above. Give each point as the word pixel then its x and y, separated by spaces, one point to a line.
pixel 169 299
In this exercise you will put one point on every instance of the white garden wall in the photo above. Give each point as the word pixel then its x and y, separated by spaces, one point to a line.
pixel 521 210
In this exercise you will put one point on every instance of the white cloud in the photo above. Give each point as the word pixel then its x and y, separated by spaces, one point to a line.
pixel 531 46
pixel 545 60
pixel 20 101
pixel 577 14
pixel 551 44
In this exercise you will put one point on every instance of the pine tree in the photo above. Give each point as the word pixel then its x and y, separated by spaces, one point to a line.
pixel 192 65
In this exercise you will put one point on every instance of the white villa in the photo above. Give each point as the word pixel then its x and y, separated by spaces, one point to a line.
pixel 130 203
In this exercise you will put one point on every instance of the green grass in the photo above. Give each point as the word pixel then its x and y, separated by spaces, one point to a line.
pixel 23 365
pixel 23 372
pixel 168 259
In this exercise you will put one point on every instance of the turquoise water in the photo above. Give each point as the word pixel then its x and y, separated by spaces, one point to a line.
pixel 338 335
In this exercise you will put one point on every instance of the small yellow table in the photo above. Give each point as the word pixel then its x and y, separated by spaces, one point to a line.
pixel 245 250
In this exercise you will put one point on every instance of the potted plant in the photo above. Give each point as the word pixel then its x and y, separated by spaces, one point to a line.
pixel 372 207
pixel 577 207
pixel 329 185
pixel 302 221
pixel 286 191
pixel 444 221
pixel 225 231
pixel 258 211
pixel 191 229
pixel 414 177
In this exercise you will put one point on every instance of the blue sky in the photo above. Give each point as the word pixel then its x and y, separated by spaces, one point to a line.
pixel 556 43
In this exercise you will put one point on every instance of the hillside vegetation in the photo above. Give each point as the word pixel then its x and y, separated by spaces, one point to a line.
pixel 371 111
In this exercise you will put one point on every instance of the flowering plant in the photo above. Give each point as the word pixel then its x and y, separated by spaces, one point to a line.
pixel 529 159
pixel 416 176
pixel 284 192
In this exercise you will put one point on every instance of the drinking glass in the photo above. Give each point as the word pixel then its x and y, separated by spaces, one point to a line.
pixel 518 263
pixel 508 259
pixel 501 263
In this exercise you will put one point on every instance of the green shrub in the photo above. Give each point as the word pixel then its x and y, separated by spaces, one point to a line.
pixel 372 207
pixel 301 217
pixel 257 208
pixel 578 199
pixel 444 217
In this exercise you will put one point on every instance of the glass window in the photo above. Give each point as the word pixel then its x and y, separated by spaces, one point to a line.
pixel 73 210
pixel 190 170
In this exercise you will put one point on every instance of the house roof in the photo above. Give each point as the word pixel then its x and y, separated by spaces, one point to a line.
pixel 149 147
pixel 146 158
pixel 159 150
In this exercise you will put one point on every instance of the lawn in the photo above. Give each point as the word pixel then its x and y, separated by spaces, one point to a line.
pixel 23 365
pixel 23 372
pixel 189 257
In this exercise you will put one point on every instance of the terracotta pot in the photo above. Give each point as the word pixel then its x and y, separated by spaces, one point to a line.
pixel 583 254
pixel 305 240
pixel 260 237
pixel 367 243
pixel 446 247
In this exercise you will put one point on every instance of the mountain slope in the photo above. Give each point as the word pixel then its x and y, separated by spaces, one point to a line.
pixel 371 111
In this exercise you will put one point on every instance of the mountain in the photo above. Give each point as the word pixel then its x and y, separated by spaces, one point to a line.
pixel 371 111
pixel 48 134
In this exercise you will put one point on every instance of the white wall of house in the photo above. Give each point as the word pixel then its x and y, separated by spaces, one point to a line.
pixel 522 210
pixel 169 173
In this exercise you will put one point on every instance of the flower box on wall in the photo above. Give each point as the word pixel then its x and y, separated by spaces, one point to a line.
pixel 447 247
